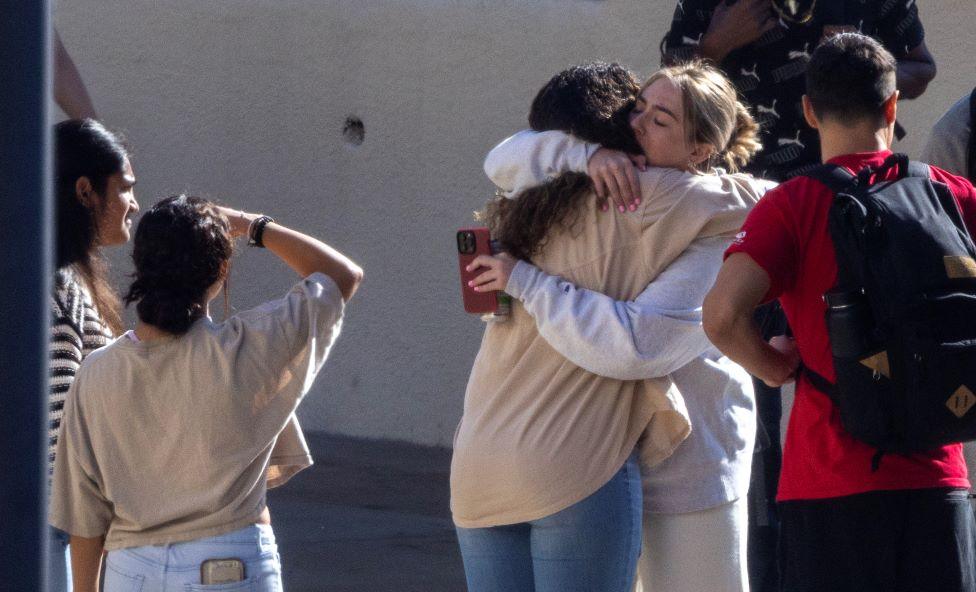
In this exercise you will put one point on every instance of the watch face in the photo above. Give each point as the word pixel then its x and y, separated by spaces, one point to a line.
pixel 794 11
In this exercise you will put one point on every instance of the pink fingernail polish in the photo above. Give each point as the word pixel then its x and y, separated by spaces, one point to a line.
pixel 622 209
pixel 637 201
pixel 632 207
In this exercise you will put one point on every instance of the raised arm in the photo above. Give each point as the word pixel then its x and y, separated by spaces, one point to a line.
pixel 531 158
pixel 916 70
pixel 711 29
pixel 653 335
pixel 900 30
pixel 69 89
pixel 303 253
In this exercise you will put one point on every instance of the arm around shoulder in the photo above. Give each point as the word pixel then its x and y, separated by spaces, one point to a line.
pixel 653 335
pixel 530 158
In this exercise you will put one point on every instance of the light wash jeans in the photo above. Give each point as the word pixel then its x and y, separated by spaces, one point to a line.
pixel 591 546
pixel 58 561
pixel 176 567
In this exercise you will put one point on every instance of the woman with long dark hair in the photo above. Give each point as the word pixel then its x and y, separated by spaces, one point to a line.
pixel 94 206
pixel 627 309
pixel 169 432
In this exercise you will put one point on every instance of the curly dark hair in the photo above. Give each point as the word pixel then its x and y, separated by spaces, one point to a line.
pixel 182 248
pixel 591 101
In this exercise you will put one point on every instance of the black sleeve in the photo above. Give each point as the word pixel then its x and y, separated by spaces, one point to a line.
pixel 688 26
pixel 899 27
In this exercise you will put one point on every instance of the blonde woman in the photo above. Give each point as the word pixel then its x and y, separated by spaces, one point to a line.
pixel 544 491
pixel 687 120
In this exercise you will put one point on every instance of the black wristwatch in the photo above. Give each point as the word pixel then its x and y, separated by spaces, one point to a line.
pixel 256 231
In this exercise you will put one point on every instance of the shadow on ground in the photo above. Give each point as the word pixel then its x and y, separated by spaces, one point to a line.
pixel 368 516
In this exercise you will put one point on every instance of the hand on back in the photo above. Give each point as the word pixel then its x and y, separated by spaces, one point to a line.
pixel 614 176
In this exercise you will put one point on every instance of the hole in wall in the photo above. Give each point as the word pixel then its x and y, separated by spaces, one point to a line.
pixel 354 131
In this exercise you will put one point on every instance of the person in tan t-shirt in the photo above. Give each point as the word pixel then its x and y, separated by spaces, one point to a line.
pixel 545 485
pixel 173 432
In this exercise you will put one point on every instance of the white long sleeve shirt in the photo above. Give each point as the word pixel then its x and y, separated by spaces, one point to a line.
pixel 658 333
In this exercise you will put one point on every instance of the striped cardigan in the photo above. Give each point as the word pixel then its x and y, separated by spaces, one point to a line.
pixel 76 330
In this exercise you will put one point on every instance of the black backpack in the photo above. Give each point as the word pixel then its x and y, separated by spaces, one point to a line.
pixel 902 317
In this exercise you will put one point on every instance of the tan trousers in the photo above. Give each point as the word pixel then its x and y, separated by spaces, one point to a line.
pixel 695 552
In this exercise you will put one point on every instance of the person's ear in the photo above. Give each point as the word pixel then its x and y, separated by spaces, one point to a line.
pixel 84 192
pixel 700 153
pixel 890 108
pixel 808 114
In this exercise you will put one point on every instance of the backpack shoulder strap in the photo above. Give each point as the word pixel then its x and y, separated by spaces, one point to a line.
pixel 971 168
pixel 826 387
pixel 835 177
pixel 918 169
pixel 906 166
pixel 816 380
pixel 914 168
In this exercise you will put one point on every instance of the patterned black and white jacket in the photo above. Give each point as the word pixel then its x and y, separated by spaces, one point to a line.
pixel 76 330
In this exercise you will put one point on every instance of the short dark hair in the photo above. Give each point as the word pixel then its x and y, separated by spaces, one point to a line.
pixel 591 101
pixel 182 248
pixel 849 78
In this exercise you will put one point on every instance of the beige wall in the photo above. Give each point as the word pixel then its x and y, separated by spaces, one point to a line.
pixel 245 101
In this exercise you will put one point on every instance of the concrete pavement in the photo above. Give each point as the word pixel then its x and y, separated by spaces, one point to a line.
pixel 369 516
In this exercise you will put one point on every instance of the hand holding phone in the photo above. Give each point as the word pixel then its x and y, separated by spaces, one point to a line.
pixel 472 242
pixel 493 271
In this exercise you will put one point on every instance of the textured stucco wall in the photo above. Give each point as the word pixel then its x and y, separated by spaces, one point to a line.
pixel 245 101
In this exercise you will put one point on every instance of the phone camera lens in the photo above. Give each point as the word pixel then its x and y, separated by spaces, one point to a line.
pixel 466 243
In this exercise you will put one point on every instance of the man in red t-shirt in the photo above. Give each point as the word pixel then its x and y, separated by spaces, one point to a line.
pixel 907 525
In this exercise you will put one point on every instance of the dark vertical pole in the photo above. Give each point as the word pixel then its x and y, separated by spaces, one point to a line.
pixel 25 215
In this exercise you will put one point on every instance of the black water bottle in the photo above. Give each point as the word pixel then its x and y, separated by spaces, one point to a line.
pixel 849 324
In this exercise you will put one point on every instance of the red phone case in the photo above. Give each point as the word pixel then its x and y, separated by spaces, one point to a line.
pixel 474 302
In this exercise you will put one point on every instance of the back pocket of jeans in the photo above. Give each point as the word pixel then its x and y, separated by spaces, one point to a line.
pixel 117 580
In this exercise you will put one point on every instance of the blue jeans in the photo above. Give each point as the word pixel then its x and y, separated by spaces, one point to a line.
pixel 58 561
pixel 176 567
pixel 591 546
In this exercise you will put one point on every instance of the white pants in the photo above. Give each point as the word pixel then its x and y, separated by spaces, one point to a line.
pixel 695 552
